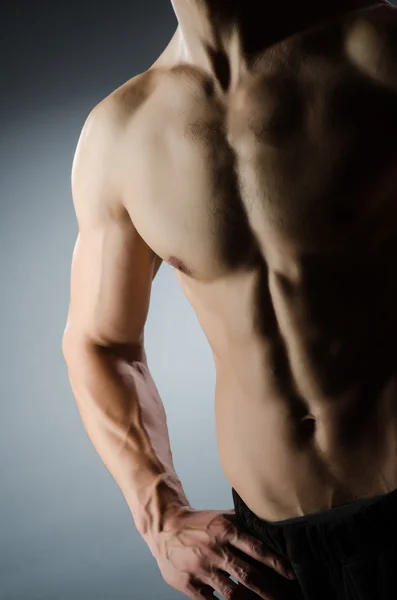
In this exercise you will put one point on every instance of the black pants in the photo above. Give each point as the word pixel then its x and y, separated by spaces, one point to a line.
pixel 346 553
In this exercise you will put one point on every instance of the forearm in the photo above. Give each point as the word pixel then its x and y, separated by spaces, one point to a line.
pixel 125 419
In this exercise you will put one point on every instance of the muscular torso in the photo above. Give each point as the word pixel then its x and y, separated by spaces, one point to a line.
pixel 276 202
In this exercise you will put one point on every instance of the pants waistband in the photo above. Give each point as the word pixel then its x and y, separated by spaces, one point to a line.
pixel 363 527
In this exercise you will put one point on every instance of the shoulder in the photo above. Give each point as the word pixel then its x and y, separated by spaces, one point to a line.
pixel 107 119
pixel 97 156
pixel 371 43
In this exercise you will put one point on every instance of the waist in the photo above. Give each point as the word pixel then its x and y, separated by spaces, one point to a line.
pixel 285 466
pixel 326 516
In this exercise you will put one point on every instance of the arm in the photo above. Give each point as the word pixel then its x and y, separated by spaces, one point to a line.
pixel 111 278
pixel 112 273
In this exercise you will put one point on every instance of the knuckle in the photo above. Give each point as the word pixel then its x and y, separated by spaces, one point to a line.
pixel 230 529
pixel 277 562
pixel 225 592
pixel 257 546
pixel 227 563
pixel 228 594
pixel 243 575
pixel 226 587
pixel 231 560
pixel 225 526
pixel 214 547
pixel 226 555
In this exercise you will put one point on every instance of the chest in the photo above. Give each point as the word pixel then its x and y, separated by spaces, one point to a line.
pixel 284 165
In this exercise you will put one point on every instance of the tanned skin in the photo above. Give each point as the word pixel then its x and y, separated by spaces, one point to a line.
pixel 261 163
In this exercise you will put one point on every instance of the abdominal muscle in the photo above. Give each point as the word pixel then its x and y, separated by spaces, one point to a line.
pixel 284 457
pixel 284 465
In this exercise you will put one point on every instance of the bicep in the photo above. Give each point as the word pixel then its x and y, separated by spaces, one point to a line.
pixel 111 278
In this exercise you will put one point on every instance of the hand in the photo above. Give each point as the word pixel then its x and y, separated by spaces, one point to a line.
pixel 198 550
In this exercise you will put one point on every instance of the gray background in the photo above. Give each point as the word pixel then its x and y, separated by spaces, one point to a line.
pixel 65 530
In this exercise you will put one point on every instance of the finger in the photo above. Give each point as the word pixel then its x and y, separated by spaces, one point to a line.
pixel 223 585
pixel 199 591
pixel 201 595
pixel 262 584
pixel 247 575
pixel 260 552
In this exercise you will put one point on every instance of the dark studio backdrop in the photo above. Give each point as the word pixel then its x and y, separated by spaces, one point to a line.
pixel 65 530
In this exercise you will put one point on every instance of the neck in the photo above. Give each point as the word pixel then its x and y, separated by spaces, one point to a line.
pixel 214 25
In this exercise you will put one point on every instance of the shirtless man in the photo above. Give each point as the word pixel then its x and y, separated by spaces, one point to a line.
pixel 258 157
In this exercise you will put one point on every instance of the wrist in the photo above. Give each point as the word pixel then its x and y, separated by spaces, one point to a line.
pixel 157 505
